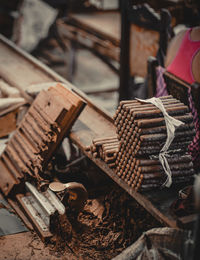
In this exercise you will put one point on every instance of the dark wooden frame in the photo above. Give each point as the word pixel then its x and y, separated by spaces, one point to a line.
pixel 179 89
pixel 175 86
pixel 145 17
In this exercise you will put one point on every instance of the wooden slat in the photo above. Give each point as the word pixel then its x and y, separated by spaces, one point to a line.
pixel 106 24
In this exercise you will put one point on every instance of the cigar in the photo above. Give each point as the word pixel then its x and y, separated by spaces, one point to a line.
pixel 111 149
pixel 156 149
pixel 155 168
pixel 110 159
pixel 175 173
pixel 155 113
pixel 171 160
pixel 129 176
pixel 119 173
pixel 122 164
pixel 140 104
pixel 146 123
pixel 130 181
pixel 93 148
pixel 104 142
pixel 177 143
pixel 110 144
pixel 162 137
pixel 134 101
pixel 171 102
pixel 112 165
pixel 148 186
pixel 141 154
pixel 151 107
pixel 163 129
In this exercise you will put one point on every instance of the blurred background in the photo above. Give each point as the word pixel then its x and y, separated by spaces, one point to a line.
pixel 85 40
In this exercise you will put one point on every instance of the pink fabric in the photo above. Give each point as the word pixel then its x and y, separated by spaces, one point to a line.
pixel 181 66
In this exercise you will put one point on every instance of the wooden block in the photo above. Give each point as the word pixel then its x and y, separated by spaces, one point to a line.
pixel 40 132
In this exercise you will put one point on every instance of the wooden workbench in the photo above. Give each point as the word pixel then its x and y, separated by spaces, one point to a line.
pixel 20 69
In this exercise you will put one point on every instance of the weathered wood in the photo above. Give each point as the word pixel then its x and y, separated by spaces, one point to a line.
pixel 8 123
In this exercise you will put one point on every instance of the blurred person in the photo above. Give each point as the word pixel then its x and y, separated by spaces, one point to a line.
pixel 183 55
pixel 183 61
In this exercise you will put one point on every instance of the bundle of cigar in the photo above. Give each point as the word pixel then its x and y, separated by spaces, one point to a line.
pixel 105 148
pixel 142 133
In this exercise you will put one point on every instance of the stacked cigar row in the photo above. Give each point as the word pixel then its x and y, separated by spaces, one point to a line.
pixel 142 133
pixel 105 149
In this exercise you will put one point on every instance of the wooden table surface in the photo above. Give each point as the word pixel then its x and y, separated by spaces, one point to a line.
pixel 23 70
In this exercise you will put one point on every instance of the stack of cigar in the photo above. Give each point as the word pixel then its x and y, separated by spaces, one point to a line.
pixel 142 133
pixel 106 149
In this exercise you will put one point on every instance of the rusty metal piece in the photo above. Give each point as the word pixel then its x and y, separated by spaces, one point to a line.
pixel 78 194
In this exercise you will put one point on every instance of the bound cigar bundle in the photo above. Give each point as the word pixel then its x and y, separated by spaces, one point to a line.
pixel 142 132
pixel 106 149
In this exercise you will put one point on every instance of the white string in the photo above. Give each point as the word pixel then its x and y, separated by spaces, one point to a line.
pixel 171 125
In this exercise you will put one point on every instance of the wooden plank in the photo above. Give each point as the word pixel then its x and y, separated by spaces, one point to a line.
pixel 144 43
pixel 19 212
pixel 105 24
pixel 21 63
pixel 44 235
pixel 88 40
pixel 11 108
